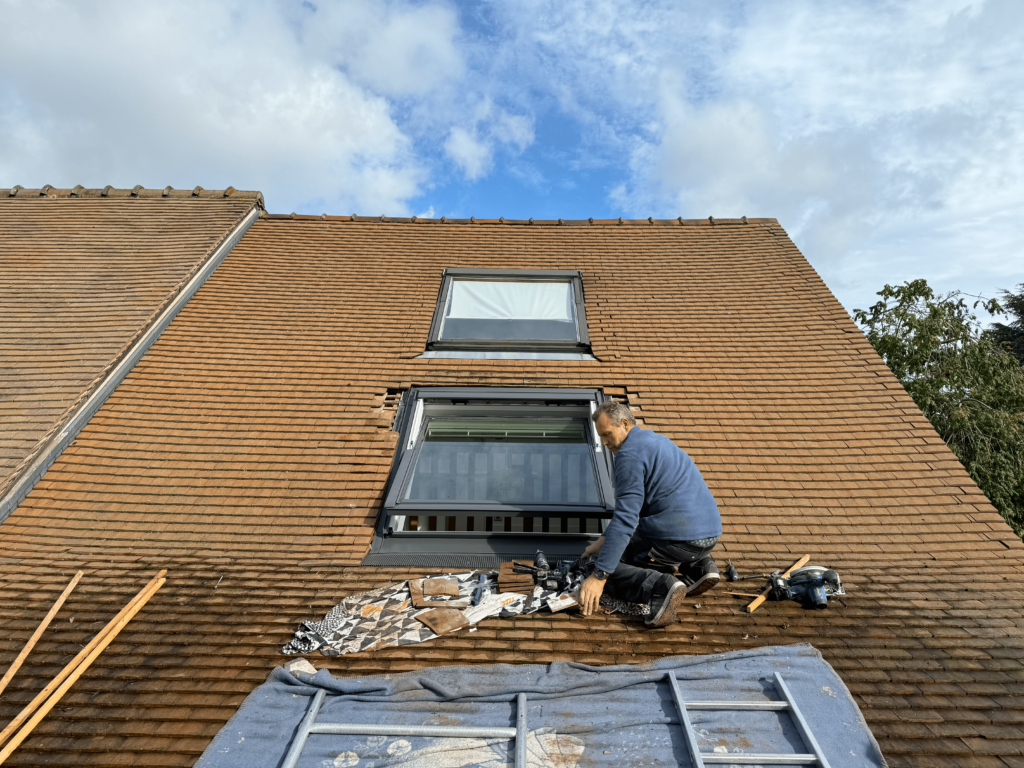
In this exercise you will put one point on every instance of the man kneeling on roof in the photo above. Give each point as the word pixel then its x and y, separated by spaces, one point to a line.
pixel 665 523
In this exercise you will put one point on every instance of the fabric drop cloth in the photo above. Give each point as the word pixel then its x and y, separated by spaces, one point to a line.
pixel 577 715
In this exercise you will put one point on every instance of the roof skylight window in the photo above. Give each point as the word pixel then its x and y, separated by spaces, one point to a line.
pixel 519 310
pixel 484 472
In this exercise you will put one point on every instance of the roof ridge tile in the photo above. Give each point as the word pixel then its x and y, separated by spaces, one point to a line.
pixel 80 192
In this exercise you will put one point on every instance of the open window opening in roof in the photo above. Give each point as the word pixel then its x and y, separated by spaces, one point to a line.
pixel 493 312
pixel 493 473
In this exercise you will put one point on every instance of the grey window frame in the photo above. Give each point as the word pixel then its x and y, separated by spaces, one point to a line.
pixel 470 544
pixel 573 276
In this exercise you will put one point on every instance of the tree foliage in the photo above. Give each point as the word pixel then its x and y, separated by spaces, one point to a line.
pixel 1011 334
pixel 964 380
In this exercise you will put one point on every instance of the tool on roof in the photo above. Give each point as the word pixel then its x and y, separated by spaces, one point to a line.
pixel 812 585
pixel 756 603
pixel 544 576
pixel 70 674
pixel 39 631
pixel 732 575
pixel 482 592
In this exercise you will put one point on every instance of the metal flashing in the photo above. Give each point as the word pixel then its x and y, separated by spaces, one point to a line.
pixel 24 481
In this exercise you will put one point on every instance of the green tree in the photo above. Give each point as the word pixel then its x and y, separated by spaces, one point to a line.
pixel 1012 334
pixel 963 379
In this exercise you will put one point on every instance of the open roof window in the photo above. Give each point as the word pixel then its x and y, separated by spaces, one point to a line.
pixel 482 474
pixel 510 310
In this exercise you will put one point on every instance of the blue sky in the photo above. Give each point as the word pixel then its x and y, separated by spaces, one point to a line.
pixel 887 138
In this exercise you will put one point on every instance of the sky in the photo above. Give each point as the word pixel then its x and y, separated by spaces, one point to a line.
pixel 886 137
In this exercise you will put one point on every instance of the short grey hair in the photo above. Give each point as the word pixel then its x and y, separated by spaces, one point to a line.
pixel 615 412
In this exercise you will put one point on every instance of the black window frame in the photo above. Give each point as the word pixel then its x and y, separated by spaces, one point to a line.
pixel 411 425
pixel 573 276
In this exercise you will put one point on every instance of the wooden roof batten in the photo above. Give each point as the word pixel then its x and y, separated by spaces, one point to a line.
pixel 19 484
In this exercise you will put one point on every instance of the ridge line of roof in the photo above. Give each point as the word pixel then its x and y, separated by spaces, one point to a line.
pixel 680 221
pixel 47 191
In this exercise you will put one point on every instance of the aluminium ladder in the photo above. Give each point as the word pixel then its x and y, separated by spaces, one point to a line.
pixel 787 703
pixel 309 726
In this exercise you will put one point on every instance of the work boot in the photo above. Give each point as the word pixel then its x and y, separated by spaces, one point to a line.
pixel 701 576
pixel 665 600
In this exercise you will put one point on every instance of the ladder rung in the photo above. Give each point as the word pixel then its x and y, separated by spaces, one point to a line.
pixel 751 758
pixel 449 731
pixel 739 705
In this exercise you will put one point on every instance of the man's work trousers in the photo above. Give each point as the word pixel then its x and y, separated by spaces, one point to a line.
pixel 645 562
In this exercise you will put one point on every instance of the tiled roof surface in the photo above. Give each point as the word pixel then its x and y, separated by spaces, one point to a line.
pixel 80 279
pixel 247 453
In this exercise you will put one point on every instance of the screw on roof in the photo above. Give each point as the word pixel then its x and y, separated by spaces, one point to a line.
pixel 228 191
pixel 650 219
pixel 591 219
pixel 78 188
pixel 323 216
pixel 106 190
pixel 501 219
pixel 472 219
pixel 197 192
pixel 46 188
pixel 412 218
pixel 711 219
pixel 167 191
pixel 442 219
pixel 744 219
pixel 559 221
pixel 680 220
pixel 136 189
pixel 531 220
pixel 620 220
pixel 14 190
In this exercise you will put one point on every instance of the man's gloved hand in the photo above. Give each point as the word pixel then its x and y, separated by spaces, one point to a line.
pixel 590 594
pixel 594 548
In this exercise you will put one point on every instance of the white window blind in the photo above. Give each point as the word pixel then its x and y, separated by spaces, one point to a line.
pixel 510 300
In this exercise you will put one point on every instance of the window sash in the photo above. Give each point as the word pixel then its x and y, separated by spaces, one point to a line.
pixel 467 462
pixel 443 405
pixel 498 320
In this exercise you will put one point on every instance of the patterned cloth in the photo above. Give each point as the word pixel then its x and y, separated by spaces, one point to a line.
pixel 386 618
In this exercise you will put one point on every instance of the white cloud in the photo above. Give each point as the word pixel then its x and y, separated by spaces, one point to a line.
pixel 472 149
pixel 887 138
pixel 253 95
pixel 473 156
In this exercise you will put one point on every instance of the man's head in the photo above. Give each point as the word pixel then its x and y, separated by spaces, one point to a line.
pixel 613 421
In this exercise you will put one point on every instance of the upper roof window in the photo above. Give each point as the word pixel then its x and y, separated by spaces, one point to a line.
pixel 510 309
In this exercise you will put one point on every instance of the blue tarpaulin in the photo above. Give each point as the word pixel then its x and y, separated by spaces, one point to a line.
pixel 577 715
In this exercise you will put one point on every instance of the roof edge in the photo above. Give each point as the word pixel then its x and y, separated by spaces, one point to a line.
pixel 710 221
pixel 47 191
pixel 34 466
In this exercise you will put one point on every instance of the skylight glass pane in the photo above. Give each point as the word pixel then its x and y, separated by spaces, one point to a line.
pixel 511 461
pixel 508 309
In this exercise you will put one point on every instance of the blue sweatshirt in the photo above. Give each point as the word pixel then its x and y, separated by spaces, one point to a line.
pixel 659 490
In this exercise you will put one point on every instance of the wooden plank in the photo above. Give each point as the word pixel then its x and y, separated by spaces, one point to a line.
pixel 756 603
pixel 73 664
pixel 39 631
